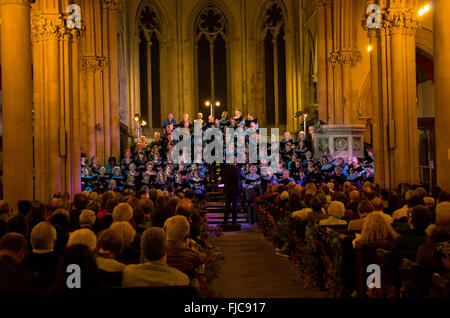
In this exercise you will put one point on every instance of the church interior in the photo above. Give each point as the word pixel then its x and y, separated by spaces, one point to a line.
pixel 361 80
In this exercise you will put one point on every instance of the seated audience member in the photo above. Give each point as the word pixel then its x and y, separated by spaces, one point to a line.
pixel 131 240
pixel 442 213
pixel 4 210
pixel 180 255
pixel 317 214
pixel 123 212
pixel 18 224
pixel 110 245
pixel 107 219
pixel 87 220
pixel 403 211
pixel 24 207
pixel 409 243
pixel 14 276
pixel 89 282
pixel 303 213
pixel 153 270
pixel 353 202
pixel 83 236
pixel 43 259
pixel 336 211
pixel 376 233
pixel 364 208
pixel 80 202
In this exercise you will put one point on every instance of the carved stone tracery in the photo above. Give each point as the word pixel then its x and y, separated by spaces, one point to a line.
pixel 93 63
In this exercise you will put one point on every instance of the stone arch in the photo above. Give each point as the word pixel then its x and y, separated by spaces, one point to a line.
pixel 198 8
pixel 155 5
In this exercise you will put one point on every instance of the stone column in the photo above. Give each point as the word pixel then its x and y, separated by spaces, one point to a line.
pixel 56 102
pixel 442 91
pixel 16 100
pixel 322 59
pixel 113 7
pixel 394 86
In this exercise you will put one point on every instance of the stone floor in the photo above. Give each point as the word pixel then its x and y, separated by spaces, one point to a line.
pixel 252 269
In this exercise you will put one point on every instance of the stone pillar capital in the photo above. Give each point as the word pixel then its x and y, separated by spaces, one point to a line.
pixel 53 27
pixel 400 21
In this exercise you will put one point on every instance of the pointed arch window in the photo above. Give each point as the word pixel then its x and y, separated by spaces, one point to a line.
pixel 211 58
pixel 274 64
pixel 150 66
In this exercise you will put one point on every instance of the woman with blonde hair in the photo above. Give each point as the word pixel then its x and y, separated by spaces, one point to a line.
pixel 377 232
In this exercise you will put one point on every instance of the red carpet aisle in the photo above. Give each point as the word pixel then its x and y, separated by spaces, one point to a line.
pixel 252 269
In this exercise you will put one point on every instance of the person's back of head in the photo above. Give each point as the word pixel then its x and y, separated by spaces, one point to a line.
pixel 354 196
pixel 340 196
pixel 111 204
pixel 147 205
pixel 364 208
pixel 429 202
pixel 413 201
pixel 367 193
pixel 93 206
pixel 134 202
pixel 443 214
pixel 4 209
pixel 154 244
pixel 87 218
pixel 177 228
pixel 62 219
pixel 55 203
pixel 80 201
pixel 138 216
pixel 110 243
pixel 420 192
pixel 18 224
pixel 83 236
pixel 377 203
pixel 122 212
pixel 84 258
pixel 14 245
pixel 185 207
pixel 420 218
pixel 409 194
pixel 336 209
pixel 316 205
pixel 24 207
pixel 125 229
pixel 152 193
pixel 43 237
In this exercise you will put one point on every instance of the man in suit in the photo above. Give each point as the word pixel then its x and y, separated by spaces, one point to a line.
pixel 231 176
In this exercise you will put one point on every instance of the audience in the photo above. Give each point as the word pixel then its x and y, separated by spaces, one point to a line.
pixel 153 270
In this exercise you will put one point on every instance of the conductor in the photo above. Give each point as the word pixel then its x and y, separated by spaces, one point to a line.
pixel 231 176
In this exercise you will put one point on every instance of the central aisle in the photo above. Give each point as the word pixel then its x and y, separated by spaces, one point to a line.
pixel 252 269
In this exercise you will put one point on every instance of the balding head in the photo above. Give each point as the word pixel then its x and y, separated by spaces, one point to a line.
pixel 354 196
pixel 185 207
pixel 377 204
